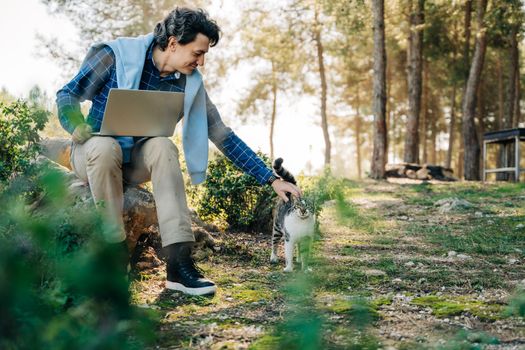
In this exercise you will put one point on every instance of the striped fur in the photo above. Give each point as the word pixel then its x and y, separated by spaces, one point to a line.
pixel 294 222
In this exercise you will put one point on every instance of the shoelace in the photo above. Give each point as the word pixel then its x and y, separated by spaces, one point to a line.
pixel 190 268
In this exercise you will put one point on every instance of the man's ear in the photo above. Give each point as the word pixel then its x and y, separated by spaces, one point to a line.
pixel 172 43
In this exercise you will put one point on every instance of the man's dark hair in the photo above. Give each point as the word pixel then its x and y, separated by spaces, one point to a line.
pixel 184 24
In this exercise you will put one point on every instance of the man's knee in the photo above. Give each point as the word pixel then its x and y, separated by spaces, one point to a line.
pixel 161 147
pixel 103 151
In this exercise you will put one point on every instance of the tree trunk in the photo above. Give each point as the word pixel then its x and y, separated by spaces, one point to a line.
pixel 466 48
pixel 433 120
pixel 322 74
pixel 509 104
pixel 424 114
pixel 379 91
pixel 470 136
pixel 452 124
pixel 272 123
pixel 358 143
pixel 388 103
pixel 517 108
pixel 466 63
pixel 500 117
pixel 414 57
pixel 511 85
pixel 501 95
pixel 452 128
pixel 480 113
pixel 357 124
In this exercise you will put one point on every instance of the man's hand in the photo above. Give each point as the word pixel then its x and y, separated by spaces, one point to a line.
pixel 82 133
pixel 282 187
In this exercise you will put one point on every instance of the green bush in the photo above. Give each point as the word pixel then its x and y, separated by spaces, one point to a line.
pixel 60 283
pixel 234 198
pixel 19 127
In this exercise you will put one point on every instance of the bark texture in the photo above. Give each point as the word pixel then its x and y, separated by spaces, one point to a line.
pixel 415 58
pixel 322 74
pixel 379 97
pixel 470 136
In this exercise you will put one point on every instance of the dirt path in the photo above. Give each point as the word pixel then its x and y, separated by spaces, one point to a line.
pixel 423 276
pixel 433 289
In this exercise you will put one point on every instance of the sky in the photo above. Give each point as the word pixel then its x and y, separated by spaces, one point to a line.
pixel 298 138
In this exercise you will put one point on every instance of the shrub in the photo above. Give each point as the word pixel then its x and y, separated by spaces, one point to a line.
pixel 233 197
pixel 19 127
pixel 60 283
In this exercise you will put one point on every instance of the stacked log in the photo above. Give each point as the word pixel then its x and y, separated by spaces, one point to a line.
pixel 420 172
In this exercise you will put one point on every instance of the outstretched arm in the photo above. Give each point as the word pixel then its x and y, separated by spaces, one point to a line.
pixel 243 156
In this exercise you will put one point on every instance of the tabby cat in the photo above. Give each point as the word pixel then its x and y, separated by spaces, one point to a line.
pixel 295 221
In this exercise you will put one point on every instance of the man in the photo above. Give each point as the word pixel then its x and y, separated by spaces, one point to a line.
pixel 164 60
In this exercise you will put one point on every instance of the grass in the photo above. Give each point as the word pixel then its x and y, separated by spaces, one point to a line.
pixel 343 302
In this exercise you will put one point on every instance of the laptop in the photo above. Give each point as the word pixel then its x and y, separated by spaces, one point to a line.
pixel 141 113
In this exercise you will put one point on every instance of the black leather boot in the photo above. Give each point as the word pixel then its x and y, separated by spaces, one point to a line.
pixel 183 274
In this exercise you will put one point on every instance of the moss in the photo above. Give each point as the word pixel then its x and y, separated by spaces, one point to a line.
pixel 348 250
pixel 358 310
pixel 445 307
pixel 385 241
pixel 250 292
pixel 267 342
pixel 377 302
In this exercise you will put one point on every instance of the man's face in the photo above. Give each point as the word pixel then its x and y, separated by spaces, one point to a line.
pixel 185 58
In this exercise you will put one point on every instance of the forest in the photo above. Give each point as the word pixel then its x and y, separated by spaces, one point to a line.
pixel 412 248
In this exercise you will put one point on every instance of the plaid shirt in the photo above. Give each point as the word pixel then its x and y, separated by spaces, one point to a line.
pixel 97 76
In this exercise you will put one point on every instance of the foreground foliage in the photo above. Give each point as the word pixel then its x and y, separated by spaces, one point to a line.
pixel 60 284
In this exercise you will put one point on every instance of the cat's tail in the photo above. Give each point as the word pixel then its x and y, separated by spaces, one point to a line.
pixel 283 172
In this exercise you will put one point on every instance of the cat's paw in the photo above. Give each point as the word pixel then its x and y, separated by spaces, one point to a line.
pixel 274 259
pixel 288 269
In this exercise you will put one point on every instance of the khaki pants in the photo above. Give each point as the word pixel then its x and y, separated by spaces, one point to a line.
pixel 99 162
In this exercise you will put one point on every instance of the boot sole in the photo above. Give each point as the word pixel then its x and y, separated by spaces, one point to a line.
pixel 192 291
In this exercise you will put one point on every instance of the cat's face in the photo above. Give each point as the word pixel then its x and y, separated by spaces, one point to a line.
pixel 300 208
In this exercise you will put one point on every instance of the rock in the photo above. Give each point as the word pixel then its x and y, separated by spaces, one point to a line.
pixel 452 204
pixel 396 336
pixel 478 214
pixel 373 272
pixel 520 226
pixel 452 254
pixel 149 306
pixel 57 149
pixel 409 264
pixel 513 261
pixel 397 280
pixel 140 213
pixel 463 256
